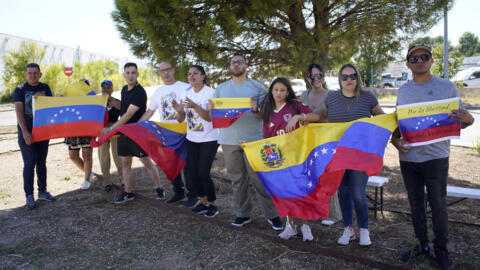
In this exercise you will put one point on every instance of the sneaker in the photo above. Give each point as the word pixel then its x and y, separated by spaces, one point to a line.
pixel 288 232
pixel 176 198
pixel 212 211
pixel 441 257
pixel 412 254
pixel 86 185
pixel 125 197
pixel 365 237
pixel 192 202
pixel 46 196
pixel 276 223
pixel 328 222
pixel 200 209
pixel 347 236
pixel 30 202
pixel 306 233
pixel 240 221
pixel 107 188
pixel 160 194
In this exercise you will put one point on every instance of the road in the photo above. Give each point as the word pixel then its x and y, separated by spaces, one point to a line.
pixel 469 136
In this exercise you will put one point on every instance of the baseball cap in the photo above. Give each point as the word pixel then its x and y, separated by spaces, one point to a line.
pixel 107 82
pixel 419 46
pixel 86 81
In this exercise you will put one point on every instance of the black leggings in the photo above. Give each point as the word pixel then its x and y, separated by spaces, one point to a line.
pixel 199 162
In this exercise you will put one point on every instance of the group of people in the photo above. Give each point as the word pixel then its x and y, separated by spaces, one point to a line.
pixel 274 112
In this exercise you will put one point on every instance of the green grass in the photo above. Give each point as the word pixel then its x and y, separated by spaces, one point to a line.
pixel 476 145
pixel 4 195
pixel 200 239
pixel 31 252
pixel 3 220
pixel 102 198
pixel 67 178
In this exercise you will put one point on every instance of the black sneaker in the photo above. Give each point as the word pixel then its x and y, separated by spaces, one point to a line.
pixel 125 197
pixel 160 194
pixel 200 209
pixel 192 202
pixel 176 198
pixel 441 257
pixel 276 223
pixel 414 253
pixel 212 211
pixel 240 221
pixel 107 188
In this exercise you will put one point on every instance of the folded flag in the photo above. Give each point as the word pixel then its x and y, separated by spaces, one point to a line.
pixel 428 122
pixel 227 110
pixel 302 169
pixel 77 89
pixel 165 143
pixel 60 117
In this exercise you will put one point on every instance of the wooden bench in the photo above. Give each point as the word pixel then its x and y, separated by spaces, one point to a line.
pixel 377 182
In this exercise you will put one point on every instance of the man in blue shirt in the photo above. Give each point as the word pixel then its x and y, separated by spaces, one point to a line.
pixel 247 128
pixel 34 154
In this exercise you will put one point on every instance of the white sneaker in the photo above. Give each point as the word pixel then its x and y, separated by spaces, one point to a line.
pixel 347 236
pixel 288 232
pixel 328 222
pixel 365 237
pixel 306 233
pixel 86 185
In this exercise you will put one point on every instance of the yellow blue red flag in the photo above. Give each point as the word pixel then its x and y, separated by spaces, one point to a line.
pixel 61 117
pixel 302 169
pixel 227 110
pixel 428 122
pixel 165 143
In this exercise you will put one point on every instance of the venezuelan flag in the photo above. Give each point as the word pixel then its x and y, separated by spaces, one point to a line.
pixel 165 143
pixel 227 110
pixel 60 117
pixel 428 122
pixel 302 169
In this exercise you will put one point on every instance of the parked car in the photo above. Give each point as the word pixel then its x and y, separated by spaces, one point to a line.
pixel 298 86
pixel 469 77
pixel 388 81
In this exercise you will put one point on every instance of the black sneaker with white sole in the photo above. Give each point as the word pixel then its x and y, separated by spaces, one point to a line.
pixel 124 197
pixel 212 211
pixel 176 198
pixel 200 209
pixel 192 202
pixel 240 221
pixel 160 194
pixel 276 223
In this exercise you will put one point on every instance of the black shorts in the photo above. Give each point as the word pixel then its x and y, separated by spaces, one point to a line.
pixel 126 147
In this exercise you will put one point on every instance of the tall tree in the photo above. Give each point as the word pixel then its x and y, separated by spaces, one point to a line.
pixel 276 35
pixel 468 44
pixel 14 64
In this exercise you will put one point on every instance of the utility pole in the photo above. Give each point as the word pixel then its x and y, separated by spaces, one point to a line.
pixel 445 44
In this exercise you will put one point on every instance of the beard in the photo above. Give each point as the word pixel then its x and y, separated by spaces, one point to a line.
pixel 239 73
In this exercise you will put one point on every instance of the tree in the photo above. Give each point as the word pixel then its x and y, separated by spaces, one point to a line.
pixel 14 64
pixel 55 78
pixel 468 44
pixel 454 61
pixel 276 36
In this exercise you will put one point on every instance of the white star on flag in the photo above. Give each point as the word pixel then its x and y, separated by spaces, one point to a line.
pixel 334 150
pixel 324 151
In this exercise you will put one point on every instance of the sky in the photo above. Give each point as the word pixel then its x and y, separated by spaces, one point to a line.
pixel 88 23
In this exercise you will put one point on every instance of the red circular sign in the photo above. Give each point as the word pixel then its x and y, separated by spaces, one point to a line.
pixel 68 71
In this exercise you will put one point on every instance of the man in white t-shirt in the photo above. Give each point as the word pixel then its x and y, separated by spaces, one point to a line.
pixel 162 101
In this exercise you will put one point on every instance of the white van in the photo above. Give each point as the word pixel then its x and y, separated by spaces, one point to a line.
pixel 470 77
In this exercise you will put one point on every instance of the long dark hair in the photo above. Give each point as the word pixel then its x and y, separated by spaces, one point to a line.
pixel 268 104
pixel 309 72
pixel 202 71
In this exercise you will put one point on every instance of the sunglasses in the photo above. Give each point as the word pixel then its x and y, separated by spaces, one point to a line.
pixel 313 76
pixel 345 77
pixel 238 62
pixel 414 59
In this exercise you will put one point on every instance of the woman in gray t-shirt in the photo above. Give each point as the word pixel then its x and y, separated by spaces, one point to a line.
pixel 348 104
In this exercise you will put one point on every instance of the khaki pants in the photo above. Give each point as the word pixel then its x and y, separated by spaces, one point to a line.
pixel 334 208
pixel 242 175
pixel 104 157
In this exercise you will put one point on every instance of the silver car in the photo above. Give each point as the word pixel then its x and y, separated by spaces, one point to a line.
pixel 470 77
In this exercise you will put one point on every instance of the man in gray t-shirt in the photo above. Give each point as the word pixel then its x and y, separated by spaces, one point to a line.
pixel 247 128
pixel 427 166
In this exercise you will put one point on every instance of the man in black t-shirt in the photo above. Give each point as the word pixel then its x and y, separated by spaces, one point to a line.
pixel 132 106
pixel 113 110
pixel 34 154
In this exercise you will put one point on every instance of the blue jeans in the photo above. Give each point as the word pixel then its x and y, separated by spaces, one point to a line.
pixel 433 175
pixel 352 193
pixel 34 156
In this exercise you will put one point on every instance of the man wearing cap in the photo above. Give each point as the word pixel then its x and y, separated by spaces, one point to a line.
pixel 162 101
pixel 427 165
pixel 113 110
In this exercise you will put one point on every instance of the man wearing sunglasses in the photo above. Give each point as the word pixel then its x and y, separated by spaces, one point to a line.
pixel 427 165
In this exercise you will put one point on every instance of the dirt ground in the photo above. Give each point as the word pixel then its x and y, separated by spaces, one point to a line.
pixel 85 229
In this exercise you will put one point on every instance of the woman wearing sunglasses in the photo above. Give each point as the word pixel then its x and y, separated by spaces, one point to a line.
pixel 348 104
pixel 314 98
